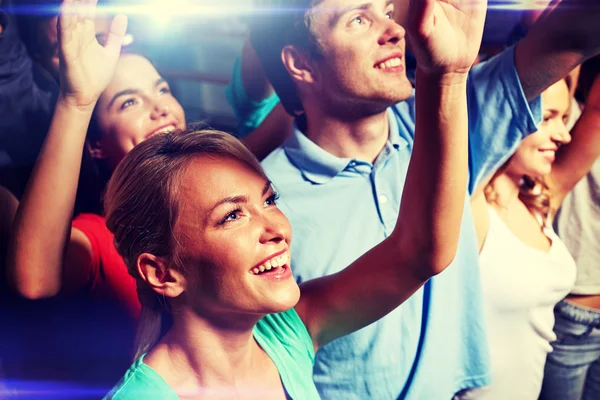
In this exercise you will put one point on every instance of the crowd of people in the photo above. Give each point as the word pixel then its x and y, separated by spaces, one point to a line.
pixel 444 199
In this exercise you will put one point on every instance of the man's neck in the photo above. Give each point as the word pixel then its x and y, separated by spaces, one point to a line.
pixel 361 138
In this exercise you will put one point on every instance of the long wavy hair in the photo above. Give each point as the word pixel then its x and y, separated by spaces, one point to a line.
pixel 533 192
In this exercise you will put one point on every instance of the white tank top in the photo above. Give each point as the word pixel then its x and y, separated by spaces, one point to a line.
pixel 521 285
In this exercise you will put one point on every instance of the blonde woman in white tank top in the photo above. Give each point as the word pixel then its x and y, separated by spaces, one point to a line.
pixel 525 268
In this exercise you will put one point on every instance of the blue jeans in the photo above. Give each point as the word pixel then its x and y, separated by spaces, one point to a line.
pixel 573 369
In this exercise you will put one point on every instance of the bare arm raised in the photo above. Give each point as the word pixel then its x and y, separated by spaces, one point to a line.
pixel 277 126
pixel 446 36
pixel 575 159
pixel 43 246
pixel 565 36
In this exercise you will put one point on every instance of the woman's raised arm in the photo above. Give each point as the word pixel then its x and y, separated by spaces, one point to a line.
pixel 574 160
pixel 43 242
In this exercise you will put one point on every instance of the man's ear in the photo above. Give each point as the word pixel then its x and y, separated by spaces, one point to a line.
pixel 163 280
pixel 96 150
pixel 299 65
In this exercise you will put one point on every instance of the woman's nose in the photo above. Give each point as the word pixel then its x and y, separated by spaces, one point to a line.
pixel 276 228
pixel 562 134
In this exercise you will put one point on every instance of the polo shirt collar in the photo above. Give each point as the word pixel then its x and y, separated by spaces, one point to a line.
pixel 320 166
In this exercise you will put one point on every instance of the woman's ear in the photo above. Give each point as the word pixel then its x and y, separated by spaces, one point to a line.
pixel 156 273
pixel 299 65
pixel 96 150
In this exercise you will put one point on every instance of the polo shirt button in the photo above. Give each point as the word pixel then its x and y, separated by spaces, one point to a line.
pixel 383 199
pixel 352 163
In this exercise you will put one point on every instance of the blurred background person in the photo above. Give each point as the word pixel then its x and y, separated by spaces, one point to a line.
pixel 525 267
pixel 573 368
pixel 81 292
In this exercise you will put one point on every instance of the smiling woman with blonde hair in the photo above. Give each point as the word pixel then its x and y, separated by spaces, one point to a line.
pixel 525 267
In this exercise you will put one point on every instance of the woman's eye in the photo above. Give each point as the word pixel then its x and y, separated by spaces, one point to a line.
pixel 389 14
pixel 232 216
pixel 164 90
pixel 272 200
pixel 127 103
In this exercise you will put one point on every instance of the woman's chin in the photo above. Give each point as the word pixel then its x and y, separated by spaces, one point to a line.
pixel 539 172
pixel 284 300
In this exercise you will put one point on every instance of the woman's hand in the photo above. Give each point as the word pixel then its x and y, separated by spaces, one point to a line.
pixel 86 67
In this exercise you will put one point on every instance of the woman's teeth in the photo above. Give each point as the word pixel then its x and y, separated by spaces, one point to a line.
pixel 166 129
pixel 274 262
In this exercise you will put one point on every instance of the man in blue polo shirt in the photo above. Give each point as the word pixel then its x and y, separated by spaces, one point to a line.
pixel 342 171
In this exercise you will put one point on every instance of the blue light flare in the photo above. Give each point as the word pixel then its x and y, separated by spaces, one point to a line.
pixel 44 390
pixel 166 10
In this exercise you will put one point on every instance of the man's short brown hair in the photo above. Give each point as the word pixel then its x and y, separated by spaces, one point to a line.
pixel 281 23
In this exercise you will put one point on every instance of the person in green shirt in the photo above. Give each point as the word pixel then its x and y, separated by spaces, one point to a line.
pixel 196 221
